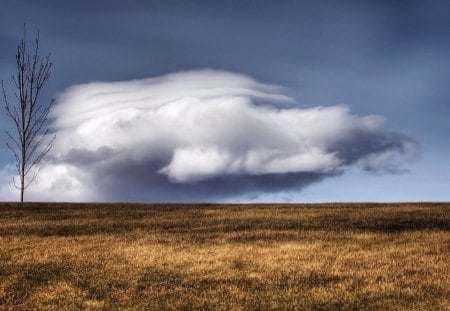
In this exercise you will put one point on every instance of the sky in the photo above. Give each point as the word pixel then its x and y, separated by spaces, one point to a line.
pixel 238 101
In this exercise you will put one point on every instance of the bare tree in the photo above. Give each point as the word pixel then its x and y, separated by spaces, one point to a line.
pixel 30 138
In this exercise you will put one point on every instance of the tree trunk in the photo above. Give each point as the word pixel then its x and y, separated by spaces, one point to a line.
pixel 22 178
pixel 21 194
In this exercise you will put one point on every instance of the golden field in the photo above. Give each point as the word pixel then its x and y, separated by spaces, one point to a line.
pixel 224 257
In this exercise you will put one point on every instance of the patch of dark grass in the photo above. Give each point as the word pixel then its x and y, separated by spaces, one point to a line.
pixel 60 220
pixel 158 279
pixel 30 277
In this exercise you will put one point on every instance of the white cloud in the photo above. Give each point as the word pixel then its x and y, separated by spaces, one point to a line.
pixel 115 139
pixel 7 189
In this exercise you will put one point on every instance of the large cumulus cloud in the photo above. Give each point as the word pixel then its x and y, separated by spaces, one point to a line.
pixel 200 136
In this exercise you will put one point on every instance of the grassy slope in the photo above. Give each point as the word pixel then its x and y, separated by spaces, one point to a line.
pixel 228 257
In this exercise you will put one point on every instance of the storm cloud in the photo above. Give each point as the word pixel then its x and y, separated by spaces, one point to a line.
pixel 203 135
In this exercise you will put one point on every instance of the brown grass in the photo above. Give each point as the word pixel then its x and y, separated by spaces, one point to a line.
pixel 225 257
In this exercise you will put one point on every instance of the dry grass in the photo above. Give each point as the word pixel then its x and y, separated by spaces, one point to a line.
pixel 225 257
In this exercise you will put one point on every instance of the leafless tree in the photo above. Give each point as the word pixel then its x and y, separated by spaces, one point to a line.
pixel 30 139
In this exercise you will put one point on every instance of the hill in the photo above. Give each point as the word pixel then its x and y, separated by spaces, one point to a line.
pixel 225 257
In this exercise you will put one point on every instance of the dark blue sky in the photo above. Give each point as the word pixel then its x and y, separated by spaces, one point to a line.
pixel 389 58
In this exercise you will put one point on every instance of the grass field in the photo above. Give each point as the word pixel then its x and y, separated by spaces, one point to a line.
pixel 225 257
